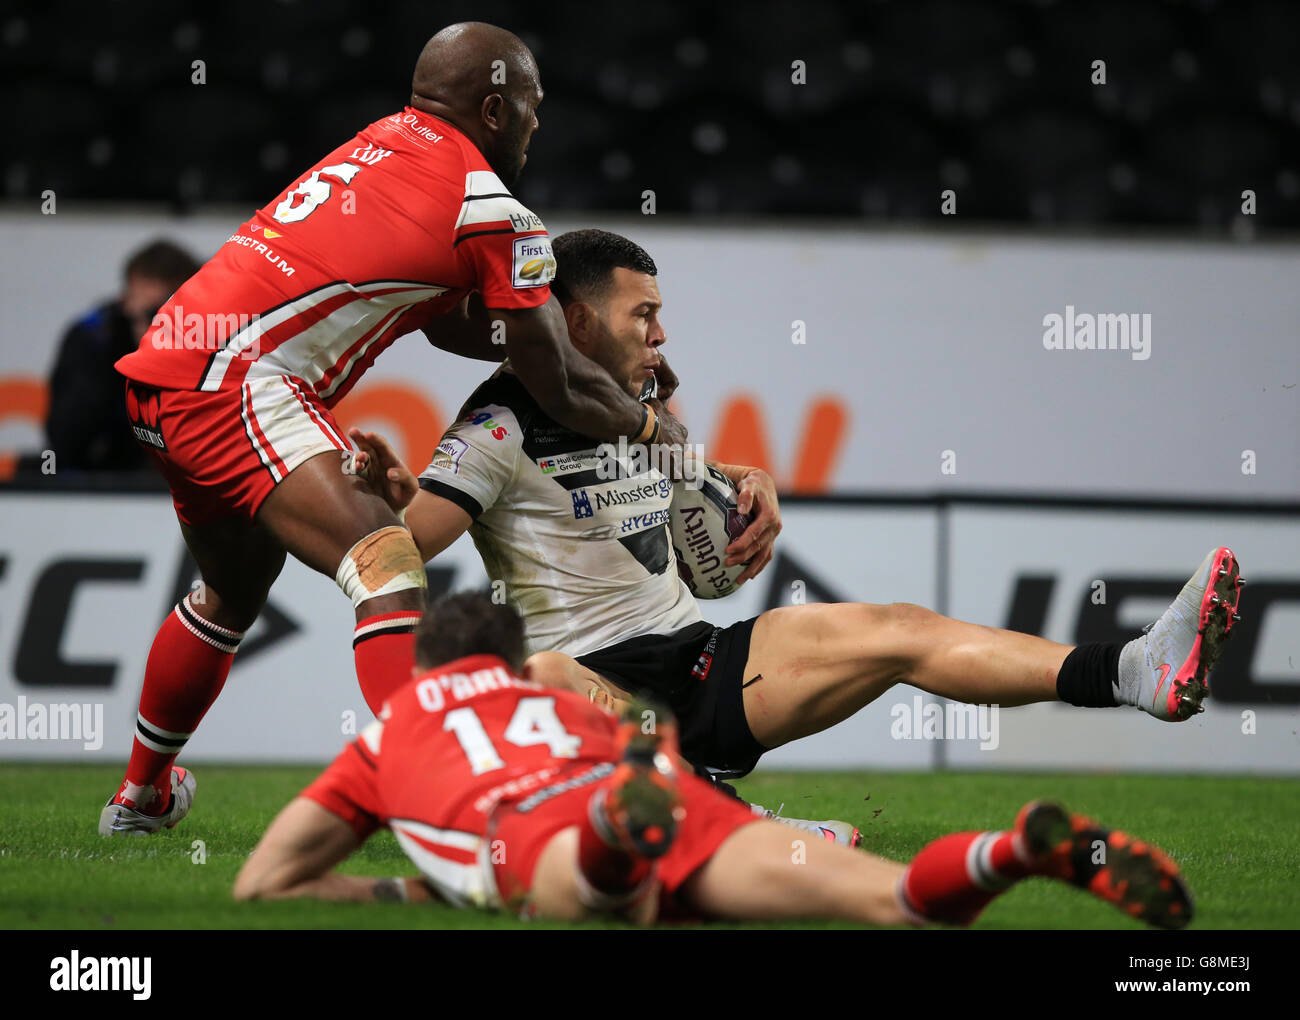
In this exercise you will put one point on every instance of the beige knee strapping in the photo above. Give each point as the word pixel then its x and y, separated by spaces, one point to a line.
pixel 383 562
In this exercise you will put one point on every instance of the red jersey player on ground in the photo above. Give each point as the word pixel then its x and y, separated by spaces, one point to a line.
pixel 507 794
pixel 232 386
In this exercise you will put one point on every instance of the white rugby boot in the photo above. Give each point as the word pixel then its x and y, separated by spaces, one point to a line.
pixel 1166 671
pixel 831 830
pixel 120 820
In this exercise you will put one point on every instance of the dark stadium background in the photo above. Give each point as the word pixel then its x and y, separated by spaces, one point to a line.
pixel 904 98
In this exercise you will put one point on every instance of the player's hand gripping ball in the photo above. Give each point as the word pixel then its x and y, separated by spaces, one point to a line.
pixel 704 520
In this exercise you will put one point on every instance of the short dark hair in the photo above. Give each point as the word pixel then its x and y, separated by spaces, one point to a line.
pixel 585 261
pixel 163 260
pixel 468 623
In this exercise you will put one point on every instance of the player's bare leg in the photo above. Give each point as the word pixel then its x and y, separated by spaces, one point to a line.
pixel 765 872
pixel 333 522
pixel 238 562
pixel 759 873
pixel 337 524
pixel 320 511
pixel 813 666
pixel 188 664
pixel 557 891
pixel 810 667
pixel 554 893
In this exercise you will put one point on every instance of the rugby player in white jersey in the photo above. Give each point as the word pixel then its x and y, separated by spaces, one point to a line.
pixel 588 563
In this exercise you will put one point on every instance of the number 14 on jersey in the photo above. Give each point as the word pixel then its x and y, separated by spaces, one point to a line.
pixel 534 722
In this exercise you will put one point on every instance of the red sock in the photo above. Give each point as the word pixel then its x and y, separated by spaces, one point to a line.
pixel 952 879
pixel 187 668
pixel 384 648
pixel 608 876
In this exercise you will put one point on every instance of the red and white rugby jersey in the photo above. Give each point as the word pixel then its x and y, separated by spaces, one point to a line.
pixel 448 748
pixel 388 231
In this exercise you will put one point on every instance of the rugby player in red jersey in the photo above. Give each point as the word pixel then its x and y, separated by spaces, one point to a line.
pixel 505 794
pixel 408 225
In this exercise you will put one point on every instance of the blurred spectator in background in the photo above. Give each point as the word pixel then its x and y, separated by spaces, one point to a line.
pixel 87 427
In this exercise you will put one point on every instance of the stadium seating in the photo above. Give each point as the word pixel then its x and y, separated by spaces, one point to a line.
pixel 993 99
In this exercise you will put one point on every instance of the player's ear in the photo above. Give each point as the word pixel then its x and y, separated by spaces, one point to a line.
pixel 491 110
pixel 580 317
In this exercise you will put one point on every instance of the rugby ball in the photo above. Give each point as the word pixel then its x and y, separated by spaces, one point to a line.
pixel 704 521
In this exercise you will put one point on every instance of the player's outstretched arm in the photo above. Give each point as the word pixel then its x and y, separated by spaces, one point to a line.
pixel 296 857
pixel 568 385
pixel 435 523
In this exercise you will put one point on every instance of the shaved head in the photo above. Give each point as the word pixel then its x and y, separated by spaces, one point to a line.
pixel 456 66
pixel 484 81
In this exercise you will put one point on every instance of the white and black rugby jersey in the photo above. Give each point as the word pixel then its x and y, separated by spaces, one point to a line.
pixel 587 562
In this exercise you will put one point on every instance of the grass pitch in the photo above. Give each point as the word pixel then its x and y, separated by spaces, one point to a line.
pixel 1237 840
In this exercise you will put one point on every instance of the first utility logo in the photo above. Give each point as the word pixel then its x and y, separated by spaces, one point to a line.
pixel 75 973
